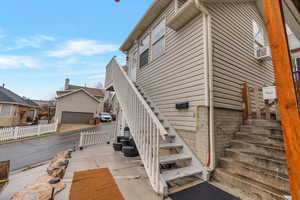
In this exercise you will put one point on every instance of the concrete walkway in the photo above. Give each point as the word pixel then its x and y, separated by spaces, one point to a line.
pixel 128 172
pixel 18 180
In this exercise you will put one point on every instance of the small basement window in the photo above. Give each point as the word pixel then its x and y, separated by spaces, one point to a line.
pixel 144 51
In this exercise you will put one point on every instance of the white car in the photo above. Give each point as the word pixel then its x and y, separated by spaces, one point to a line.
pixel 105 117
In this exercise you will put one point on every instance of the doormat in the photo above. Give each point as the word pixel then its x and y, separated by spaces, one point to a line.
pixel 97 184
pixel 203 191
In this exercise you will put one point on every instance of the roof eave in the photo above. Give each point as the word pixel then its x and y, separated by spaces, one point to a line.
pixel 151 14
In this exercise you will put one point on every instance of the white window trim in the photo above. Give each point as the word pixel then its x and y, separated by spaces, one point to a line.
pixel 163 36
pixel 149 45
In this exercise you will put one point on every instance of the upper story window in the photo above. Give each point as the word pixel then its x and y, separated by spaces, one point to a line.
pixel 5 110
pixel 259 35
pixel 144 51
pixel 158 39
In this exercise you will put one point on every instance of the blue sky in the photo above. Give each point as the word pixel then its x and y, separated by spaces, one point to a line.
pixel 44 42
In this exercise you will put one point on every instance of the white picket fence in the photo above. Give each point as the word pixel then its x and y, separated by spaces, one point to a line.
pixel 19 132
pixel 92 137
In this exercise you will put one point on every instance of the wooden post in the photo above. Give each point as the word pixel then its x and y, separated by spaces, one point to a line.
pixel 257 103
pixel 247 113
pixel 285 90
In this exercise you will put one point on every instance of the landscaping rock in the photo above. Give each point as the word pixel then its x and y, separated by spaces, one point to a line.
pixel 58 164
pixel 39 190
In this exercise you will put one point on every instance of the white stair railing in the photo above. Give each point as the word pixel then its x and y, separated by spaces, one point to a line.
pixel 144 125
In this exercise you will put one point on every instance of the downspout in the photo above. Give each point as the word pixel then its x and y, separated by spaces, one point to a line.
pixel 211 164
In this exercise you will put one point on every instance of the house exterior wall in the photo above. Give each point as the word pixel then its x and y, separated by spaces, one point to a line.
pixel 77 102
pixel 233 53
pixel 15 117
pixel 234 64
pixel 177 75
pixel 9 120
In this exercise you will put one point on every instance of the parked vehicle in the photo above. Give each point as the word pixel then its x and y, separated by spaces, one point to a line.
pixel 105 117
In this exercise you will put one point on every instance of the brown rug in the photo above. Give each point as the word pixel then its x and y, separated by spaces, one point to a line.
pixel 97 184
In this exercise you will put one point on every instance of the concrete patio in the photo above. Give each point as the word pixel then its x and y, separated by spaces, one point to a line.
pixel 129 173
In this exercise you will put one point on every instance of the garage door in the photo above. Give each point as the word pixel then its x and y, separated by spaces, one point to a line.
pixel 76 117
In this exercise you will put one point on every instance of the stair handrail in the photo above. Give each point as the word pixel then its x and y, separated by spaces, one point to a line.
pixel 163 131
pixel 144 125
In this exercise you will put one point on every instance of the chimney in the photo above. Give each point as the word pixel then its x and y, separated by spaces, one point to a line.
pixel 67 82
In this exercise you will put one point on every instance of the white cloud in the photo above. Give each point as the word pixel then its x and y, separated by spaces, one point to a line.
pixel 15 62
pixel 71 61
pixel 83 72
pixel 82 47
pixel 34 41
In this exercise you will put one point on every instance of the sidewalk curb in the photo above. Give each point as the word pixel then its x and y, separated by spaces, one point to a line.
pixel 45 135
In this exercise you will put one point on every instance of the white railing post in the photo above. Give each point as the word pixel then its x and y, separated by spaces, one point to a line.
pixel 16 132
pixel 38 129
pixel 81 140
pixel 144 125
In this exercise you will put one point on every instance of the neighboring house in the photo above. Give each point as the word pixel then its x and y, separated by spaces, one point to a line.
pixel 77 104
pixel 47 109
pixel 187 63
pixel 16 110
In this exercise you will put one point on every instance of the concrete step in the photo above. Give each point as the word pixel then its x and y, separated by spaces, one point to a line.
pixel 174 158
pixel 170 146
pixel 276 165
pixel 260 149
pixel 263 123
pixel 262 175
pixel 174 174
pixel 264 139
pixel 255 130
pixel 252 188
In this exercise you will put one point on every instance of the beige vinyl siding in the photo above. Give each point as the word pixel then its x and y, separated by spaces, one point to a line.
pixel 178 75
pixel 233 54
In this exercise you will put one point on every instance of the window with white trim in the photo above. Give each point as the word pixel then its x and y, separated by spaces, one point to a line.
pixel 5 110
pixel 144 51
pixel 158 39
pixel 259 35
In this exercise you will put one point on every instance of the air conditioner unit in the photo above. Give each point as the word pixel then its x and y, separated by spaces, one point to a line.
pixel 263 53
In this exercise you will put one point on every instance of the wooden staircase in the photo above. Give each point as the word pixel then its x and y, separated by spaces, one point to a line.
pixel 255 162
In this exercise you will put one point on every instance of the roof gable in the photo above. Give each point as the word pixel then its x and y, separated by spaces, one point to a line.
pixel 93 91
pixel 76 91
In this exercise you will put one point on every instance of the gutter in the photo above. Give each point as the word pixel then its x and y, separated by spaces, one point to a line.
pixel 211 161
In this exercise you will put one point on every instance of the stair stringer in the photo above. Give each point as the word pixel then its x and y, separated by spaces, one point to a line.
pixel 195 162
